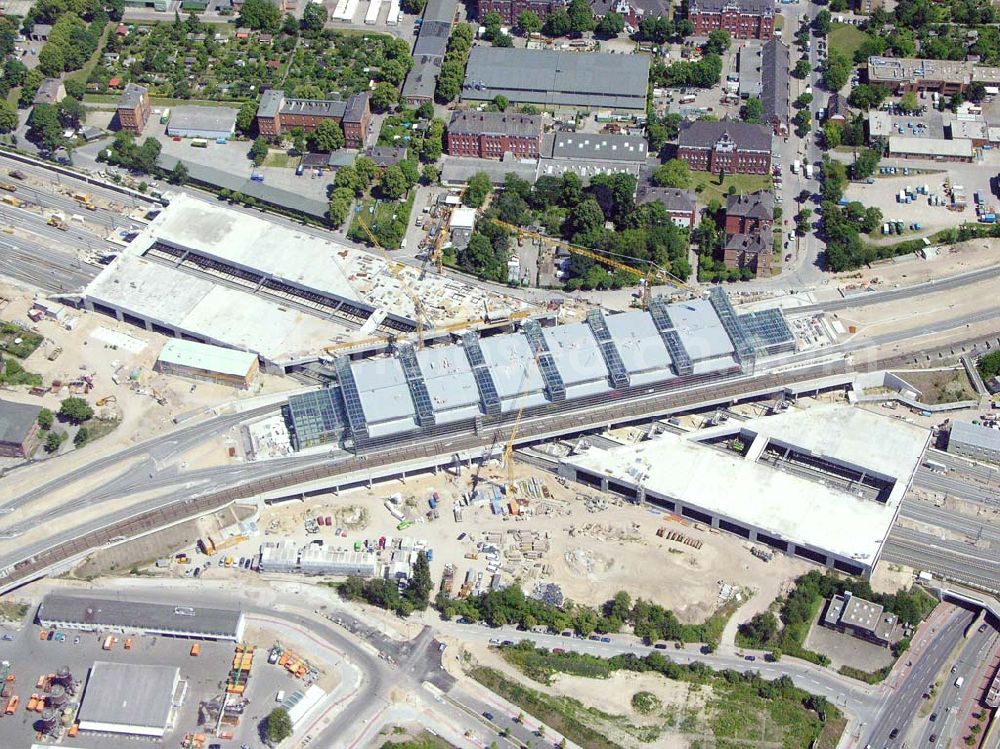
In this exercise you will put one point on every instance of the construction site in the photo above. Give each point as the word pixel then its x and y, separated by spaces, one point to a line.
pixel 211 274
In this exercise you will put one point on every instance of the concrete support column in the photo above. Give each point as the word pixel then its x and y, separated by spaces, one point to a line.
pixel 604 485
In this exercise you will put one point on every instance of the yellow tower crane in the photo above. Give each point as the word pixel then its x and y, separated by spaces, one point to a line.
pixel 653 274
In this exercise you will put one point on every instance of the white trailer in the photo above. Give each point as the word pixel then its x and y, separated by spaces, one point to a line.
pixel 393 17
pixel 371 17
pixel 796 166
pixel 809 171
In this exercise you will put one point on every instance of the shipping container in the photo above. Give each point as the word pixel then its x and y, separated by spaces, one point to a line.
pixel 196 649
pixel 12 705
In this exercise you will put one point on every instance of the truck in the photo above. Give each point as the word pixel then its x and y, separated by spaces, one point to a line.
pixel 8 187
pixel 165 117
pixel 796 166
pixel 809 171
pixel 12 705
pixel 687 99
pixel 199 143
pixel 195 649
pixel 58 222
pixel 959 681
pixel 81 197
pixel 11 200
pixel 8 686
pixel 109 642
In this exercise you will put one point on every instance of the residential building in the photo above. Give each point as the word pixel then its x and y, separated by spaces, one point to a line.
pixel 837 111
pixel 50 91
pixel 18 429
pixel 557 79
pixel 509 10
pixel 632 11
pixel 681 204
pixel 277 114
pixel 854 615
pixel 946 77
pixel 384 156
pixel 725 147
pixel 133 109
pixel 974 441
pixel 750 233
pixel 743 19
pixel 489 135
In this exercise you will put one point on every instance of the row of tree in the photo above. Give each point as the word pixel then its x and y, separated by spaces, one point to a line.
pixel 449 82
pixel 386 594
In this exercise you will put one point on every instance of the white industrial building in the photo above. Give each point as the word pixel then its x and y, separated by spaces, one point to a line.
pixel 315 559
pixel 202 122
pixel 136 700
pixel 207 273
pixel 823 483
pixel 668 346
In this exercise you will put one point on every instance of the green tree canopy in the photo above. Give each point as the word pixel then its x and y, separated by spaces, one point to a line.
pixel 279 725
pixel 76 410
pixel 326 137
pixel 478 189
pixel 261 15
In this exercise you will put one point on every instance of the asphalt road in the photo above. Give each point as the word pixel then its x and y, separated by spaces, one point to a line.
pixel 902 704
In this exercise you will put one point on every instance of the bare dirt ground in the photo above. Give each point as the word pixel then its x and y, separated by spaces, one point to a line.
pixel 86 352
pixel 940 385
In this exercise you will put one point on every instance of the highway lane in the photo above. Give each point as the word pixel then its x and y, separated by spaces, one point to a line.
pixel 902 704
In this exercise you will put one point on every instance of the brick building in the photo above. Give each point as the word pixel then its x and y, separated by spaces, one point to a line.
pixel 680 204
pixel 489 135
pixel 277 114
pixel 509 10
pixel 133 109
pixel 743 19
pixel 729 147
pixel 18 429
pixel 750 233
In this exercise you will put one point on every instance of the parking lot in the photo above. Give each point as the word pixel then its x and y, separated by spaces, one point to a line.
pixel 31 657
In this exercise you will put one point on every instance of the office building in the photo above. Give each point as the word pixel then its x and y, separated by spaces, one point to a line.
pixel 489 135
pixel 277 114
pixel 725 147
pixel 946 77
pixel 864 619
pixel 743 19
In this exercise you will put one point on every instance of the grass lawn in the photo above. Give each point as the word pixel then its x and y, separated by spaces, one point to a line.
pixel 710 189
pixel 845 38
pixel 388 221
pixel 12 612
pixel 17 341
pixel 280 159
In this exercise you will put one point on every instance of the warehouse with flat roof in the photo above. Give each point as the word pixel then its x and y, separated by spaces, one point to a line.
pixel 802 482
pixel 91 614
pixel 669 346
pixel 974 441
pixel 557 79
pixel 135 700
pixel 202 122
pixel 199 361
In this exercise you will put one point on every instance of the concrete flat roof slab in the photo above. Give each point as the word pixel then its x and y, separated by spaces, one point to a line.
pixel 639 342
pixel 576 353
pixel 512 365
pixel 149 289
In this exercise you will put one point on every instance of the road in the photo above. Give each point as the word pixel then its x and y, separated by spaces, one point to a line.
pixel 948 720
pixel 903 703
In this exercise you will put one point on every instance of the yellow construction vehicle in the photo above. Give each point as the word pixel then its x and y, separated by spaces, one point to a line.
pixel 106 400
pixel 654 274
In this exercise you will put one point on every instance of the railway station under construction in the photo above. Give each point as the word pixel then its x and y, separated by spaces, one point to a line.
pixel 823 483
pixel 212 274
pixel 483 381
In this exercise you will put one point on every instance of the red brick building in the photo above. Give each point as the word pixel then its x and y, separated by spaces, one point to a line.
pixel 509 10
pixel 726 147
pixel 489 135
pixel 750 233
pixel 133 109
pixel 278 114
pixel 743 19
pixel 18 429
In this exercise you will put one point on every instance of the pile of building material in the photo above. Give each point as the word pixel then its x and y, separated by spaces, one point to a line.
pixel 679 537
pixel 549 593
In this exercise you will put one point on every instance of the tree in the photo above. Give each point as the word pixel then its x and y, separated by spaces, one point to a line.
pixel 392 71
pixel 75 410
pixel 393 183
pixel 279 725
pixel 44 127
pixel 384 97
pixel 864 166
pixel 581 16
pixel 326 137
pixel 975 91
pixel 802 122
pixel 477 190
pixel 802 68
pixel 558 23
pixel 340 205
pixel 52 442
pixel 366 169
pixel 831 135
pixel 45 419
pixel 866 96
pixel 314 17
pixel 718 42
pixel 178 175
pixel 836 70
pixel 430 175
pixel 72 113
pixel 258 151
pixel 418 589
pixel 247 117
pixel 908 102
pixel 674 173
pixel 610 26
pixel 147 155
pixel 8 116
pixel 821 23
pixel 51 60
pixel 261 15
pixel 528 22
pixel 75 87
pixel 752 111
pixel 804 100
pixel 82 437
pixel 501 102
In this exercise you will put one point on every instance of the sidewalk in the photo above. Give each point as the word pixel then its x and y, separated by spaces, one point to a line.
pixel 918 643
